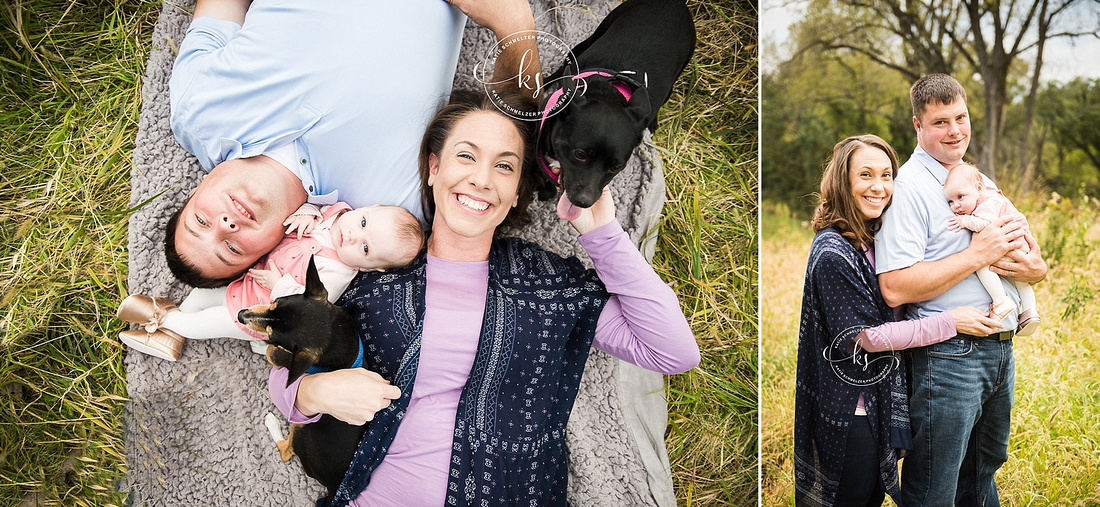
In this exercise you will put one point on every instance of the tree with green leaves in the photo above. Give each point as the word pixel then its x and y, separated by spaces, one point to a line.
pixel 957 37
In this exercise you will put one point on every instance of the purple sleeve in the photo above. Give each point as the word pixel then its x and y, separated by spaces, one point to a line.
pixel 908 333
pixel 642 322
pixel 284 396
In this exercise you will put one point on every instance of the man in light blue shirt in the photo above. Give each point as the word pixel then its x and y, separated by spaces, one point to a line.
pixel 317 101
pixel 961 400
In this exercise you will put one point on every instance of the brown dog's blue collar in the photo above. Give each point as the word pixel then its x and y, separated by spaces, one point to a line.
pixel 622 81
pixel 357 364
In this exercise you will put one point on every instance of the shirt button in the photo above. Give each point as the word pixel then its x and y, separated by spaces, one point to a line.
pixel 303 161
pixel 311 188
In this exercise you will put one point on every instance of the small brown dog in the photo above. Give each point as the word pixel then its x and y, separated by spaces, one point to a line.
pixel 306 331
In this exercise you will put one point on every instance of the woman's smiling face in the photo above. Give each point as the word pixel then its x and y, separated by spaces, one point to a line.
pixel 871 177
pixel 476 176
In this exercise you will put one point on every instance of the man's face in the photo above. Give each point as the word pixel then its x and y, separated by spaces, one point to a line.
pixel 236 215
pixel 944 131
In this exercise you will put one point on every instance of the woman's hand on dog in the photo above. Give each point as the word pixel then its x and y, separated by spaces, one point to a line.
pixel 353 395
pixel 598 215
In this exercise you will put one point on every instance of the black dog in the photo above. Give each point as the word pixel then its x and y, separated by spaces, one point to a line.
pixel 304 331
pixel 638 50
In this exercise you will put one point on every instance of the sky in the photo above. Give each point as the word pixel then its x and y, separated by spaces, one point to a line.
pixel 1062 60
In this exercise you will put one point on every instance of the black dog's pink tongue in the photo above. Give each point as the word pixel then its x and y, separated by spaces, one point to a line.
pixel 566 210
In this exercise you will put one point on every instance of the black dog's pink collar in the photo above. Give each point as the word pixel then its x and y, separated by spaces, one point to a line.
pixel 619 80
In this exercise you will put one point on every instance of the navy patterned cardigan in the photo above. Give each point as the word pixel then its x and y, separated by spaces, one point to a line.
pixel 841 298
pixel 509 441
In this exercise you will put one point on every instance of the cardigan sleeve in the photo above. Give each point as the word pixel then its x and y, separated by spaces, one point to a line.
pixel 642 322
pixel 908 333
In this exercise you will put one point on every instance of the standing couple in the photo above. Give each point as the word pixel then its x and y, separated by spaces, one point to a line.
pixel 478 345
pixel 885 241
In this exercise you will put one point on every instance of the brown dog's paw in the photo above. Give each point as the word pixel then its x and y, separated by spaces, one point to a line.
pixel 285 450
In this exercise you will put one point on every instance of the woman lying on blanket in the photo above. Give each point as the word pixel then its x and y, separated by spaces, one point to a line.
pixel 476 350
pixel 851 410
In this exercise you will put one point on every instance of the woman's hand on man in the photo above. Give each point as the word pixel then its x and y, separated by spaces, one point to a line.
pixel 974 322
pixel 353 395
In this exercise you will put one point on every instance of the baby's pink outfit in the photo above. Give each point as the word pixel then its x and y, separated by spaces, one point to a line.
pixel 290 257
pixel 992 204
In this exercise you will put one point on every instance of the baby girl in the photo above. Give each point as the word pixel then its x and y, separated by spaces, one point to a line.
pixel 342 240
pixel 975 205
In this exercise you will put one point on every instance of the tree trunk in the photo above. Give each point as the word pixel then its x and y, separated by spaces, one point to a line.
pixel 1029 103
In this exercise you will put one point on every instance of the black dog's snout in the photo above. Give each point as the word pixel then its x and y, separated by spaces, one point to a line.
pixel 240 316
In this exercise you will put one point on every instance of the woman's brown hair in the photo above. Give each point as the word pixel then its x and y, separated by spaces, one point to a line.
pixel 836 206
pixel 462 103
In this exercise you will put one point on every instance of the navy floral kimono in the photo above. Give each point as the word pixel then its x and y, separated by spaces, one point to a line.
pixel 540 319
pixel 841 298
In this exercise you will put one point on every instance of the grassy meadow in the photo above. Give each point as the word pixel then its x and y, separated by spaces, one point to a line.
pixel 1054 449
pixel 70 79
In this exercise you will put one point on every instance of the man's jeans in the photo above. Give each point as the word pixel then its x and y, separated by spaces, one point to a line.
pixel 961 410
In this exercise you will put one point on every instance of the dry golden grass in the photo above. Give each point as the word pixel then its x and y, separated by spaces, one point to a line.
pixel 1054 450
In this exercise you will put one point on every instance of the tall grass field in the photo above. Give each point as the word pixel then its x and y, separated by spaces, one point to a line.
pixel 1054 448
pixel 70 80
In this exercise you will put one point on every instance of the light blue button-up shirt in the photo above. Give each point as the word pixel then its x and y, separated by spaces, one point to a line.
pixel 352 84
pixel 914 229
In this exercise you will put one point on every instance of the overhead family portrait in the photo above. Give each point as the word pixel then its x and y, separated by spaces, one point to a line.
pixel 429 252
pixel 547 253
pixel 928 222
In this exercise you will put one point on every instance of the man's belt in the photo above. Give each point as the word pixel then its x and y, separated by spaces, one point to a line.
pixel 1001 336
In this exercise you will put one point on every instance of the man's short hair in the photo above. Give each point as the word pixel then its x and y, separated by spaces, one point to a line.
pixel 183 270
pixel 934 88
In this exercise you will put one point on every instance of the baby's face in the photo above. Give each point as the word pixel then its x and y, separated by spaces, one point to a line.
pixel 367 238
pixel 961 198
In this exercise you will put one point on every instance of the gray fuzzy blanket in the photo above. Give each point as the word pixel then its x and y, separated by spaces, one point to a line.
pixel 194 428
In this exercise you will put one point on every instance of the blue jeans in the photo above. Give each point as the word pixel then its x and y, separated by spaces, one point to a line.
pixel 960 411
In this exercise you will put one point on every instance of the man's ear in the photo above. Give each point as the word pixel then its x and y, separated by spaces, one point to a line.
pixel 916 124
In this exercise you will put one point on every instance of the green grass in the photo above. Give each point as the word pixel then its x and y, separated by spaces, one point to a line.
pixel 1054 448
pixel 708 251
pixel 69 100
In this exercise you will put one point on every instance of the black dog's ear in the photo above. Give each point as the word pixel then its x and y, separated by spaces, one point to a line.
pixel 545 186
pixel 301 362
pixel 314 288
pixel 640 109
pixel 570 87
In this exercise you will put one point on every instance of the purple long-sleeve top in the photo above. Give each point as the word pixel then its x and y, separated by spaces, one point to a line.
pixel 641 323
